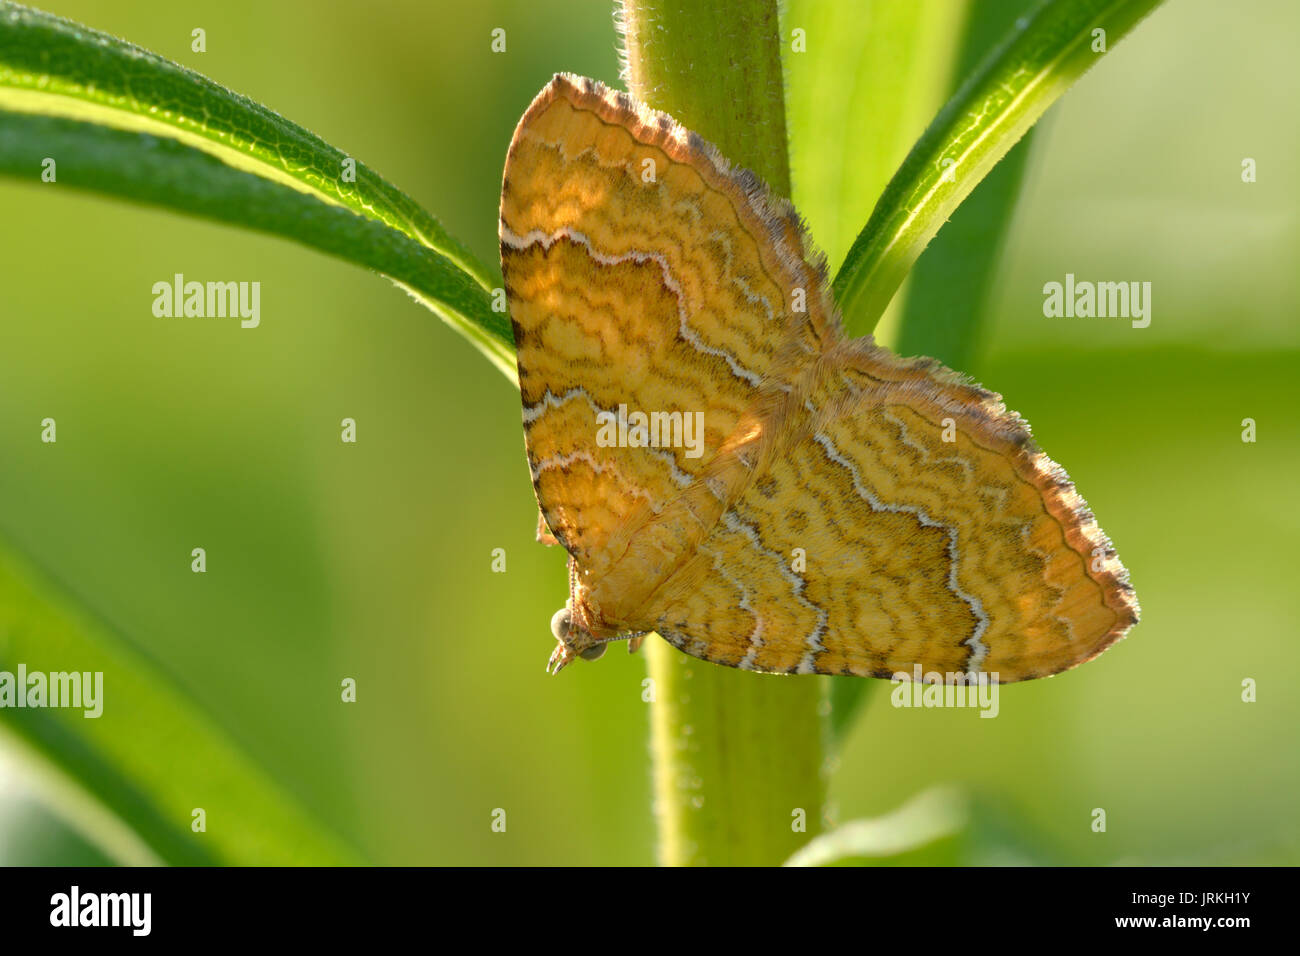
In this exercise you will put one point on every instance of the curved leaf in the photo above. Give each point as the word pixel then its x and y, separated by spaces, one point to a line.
pixel 994 108
pixel 948 288
pixel 122 121
pixel 941 826
pixel 131 778
pixel 926 818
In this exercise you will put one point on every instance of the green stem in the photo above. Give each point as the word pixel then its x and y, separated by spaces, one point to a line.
pixel 738 756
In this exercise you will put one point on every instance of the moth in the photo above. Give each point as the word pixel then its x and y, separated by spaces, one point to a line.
pixel 847 511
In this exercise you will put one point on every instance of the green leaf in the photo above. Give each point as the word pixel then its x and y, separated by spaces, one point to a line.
pixel 131 778
pixel 942 826
pixel 945 312
pixel 948 288
pixel 861 87
pixel 122 121
pixel 978 126
pixel 927 818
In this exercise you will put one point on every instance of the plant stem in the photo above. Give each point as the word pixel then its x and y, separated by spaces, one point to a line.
pixel 737 756
pixel 717 69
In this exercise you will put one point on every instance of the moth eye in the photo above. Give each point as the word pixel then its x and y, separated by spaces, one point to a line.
pixel 560 624
pixel 593 653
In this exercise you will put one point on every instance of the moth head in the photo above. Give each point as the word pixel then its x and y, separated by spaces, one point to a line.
pixel 573 639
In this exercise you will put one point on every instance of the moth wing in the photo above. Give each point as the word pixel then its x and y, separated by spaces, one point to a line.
pixel 907 520
pixel 628 287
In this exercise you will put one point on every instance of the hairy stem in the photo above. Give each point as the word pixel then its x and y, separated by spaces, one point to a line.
pixel 738 756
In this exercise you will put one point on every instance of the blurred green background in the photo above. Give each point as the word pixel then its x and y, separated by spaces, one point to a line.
pixel 373 561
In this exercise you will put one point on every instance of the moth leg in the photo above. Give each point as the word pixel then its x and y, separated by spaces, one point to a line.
pixel 635 641
pixel 544 535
